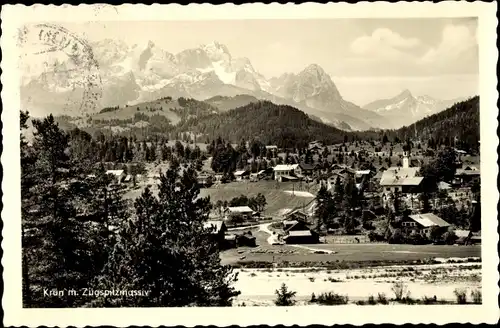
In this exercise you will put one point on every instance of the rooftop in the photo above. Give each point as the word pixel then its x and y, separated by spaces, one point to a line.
pixel 286 167
pixel 429 220
pixel 399 176
pixel 299 233
pixel 115 172
pixel 240 209
pixel 241 172
pixel 215 224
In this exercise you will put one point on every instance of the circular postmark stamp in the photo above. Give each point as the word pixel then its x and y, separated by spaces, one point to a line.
pixel 62 66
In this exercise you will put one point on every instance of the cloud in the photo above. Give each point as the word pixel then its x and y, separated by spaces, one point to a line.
pixel 455 41
pixel 384 43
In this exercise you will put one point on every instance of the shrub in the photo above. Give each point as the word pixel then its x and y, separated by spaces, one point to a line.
pixel 382 299
pixel 313 298
pixel 449 237
pixel 461 295
pixel 284 296
pixel 332 299
pixel 399 289
pixel 371 300
pixel 477 296
pixel 311 279
pixel 429 300
pixel 330 279
pixel 397 237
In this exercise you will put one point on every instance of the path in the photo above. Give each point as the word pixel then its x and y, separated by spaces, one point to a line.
pixel 272 239
pixel 326 251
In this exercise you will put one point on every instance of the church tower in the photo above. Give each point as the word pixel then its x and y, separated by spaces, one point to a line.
pixel 406 159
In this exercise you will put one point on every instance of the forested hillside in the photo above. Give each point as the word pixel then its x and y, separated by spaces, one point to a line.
pixel 282 125
pixel 457 126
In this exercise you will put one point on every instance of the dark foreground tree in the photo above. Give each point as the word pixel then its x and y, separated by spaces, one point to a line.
pixel 61 248
pixel 167 252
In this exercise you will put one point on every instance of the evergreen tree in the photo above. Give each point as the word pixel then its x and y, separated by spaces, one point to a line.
pixel 168 250
pixel 325 209
pixel 58 240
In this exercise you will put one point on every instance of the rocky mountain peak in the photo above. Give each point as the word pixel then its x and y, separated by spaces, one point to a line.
pixel 216 51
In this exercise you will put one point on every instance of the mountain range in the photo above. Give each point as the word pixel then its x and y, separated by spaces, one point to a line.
pixel 405 109
pixel 131 75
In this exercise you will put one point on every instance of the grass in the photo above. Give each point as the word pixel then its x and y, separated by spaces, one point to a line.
pixel 276 199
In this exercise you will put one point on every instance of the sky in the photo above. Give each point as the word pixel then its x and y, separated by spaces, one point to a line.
pixel 368 59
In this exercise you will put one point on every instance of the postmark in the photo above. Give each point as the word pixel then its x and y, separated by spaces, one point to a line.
pixel 67 63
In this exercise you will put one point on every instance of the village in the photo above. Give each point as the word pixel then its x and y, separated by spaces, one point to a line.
pixel 271 202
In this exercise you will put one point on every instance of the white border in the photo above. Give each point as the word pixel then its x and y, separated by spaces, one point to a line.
pixel 14 16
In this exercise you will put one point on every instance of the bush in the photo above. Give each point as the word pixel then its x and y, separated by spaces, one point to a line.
pixel 477 296
pixel 429 300
pixel 332 299
pixel 382 299
pixel 373 236
pixel 417 239
pixel 400 290
pixel 461 295
pixel 371 300
pixel 284 296
pixel 313 298
pixel 397 237
pixel 450 237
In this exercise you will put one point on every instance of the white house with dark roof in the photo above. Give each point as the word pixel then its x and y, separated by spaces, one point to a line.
pixel 401 179
pixel 243 211
pixel 240 175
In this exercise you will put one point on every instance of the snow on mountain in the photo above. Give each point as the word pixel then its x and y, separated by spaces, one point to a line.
pixel 405 109
pixel 145 71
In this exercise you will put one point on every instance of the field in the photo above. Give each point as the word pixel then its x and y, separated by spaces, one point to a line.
pixel 258 286
pixel 334 253
pixel 277 196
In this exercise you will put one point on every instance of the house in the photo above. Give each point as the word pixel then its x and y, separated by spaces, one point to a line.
pixel 443 185
pixel 241 175
pixel 305 169
pixel 217 230
pixel 285 172
pixel 241 212
pixel 466 237
pixel 296 215
pixel 291 224
pixel 272 148
pixel 315 145
pixel 118 175
pixel 229 241
pixel 301 237
pixel 205 179
pixel 257 176
pixel 466 175
pixel 246 239
pixel 402 179
pixel 129 178
pixel 423 223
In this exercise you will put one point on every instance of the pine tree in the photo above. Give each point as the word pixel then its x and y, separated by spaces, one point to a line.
pixel 56 244
pixel 167 249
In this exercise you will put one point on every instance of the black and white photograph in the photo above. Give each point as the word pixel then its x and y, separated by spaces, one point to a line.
pixel 263 163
